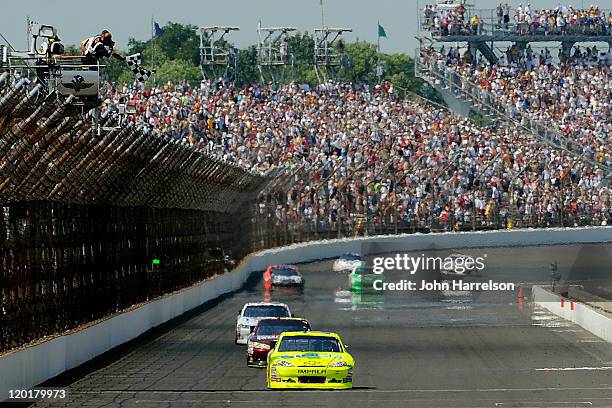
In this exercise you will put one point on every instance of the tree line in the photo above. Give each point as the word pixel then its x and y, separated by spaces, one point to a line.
pixel 177 58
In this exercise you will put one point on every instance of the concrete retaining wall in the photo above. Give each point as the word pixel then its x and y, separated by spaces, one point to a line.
pixel 597 322
pixel 32 365
pixel 596 302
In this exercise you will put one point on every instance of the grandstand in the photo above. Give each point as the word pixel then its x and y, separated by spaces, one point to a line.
pixel 561 102
pixel 393 162
pixel 362 159
pixel 399 165
pixel 455 21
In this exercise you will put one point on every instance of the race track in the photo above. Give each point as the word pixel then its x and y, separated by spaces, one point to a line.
pixel 428 349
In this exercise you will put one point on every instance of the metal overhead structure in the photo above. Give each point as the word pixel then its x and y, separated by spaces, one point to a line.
pixel 329 55
pixel 45 73
pixel 44 64
pixel 217 57
pixel 492 30
pixel 274 60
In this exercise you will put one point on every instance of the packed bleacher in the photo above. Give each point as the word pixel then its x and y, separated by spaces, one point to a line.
pixel 572 95
pixel 444 20
pixel 360 152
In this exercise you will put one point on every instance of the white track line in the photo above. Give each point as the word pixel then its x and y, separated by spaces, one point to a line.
pixel 574 369
pixel 355 390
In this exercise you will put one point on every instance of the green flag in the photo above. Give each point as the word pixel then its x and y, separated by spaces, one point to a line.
pixel 381 31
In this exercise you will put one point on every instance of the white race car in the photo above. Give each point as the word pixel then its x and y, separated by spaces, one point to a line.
pixel 458 262
pixel 348 262
pixel 283 275
pixel 252 313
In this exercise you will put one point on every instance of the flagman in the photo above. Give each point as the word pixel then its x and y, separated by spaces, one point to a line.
pixel 99 46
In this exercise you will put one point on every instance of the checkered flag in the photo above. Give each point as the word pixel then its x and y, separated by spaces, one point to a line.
pixel 142 74
pixel 134 62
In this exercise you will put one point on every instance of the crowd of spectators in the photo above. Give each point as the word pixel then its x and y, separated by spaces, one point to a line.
pixel 444 19
pixel 449 20
pixel 572 95
pixel 561 20
pixel 363 153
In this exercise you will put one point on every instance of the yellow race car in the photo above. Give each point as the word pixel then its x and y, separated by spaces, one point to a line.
pixel 309 360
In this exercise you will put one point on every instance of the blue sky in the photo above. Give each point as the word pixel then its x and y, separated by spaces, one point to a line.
pixel 132 18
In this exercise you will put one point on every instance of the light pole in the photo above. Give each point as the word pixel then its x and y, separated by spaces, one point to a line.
pixel 322 14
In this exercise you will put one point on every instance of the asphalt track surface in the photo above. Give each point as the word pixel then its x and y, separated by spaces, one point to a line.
pixel 422 349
